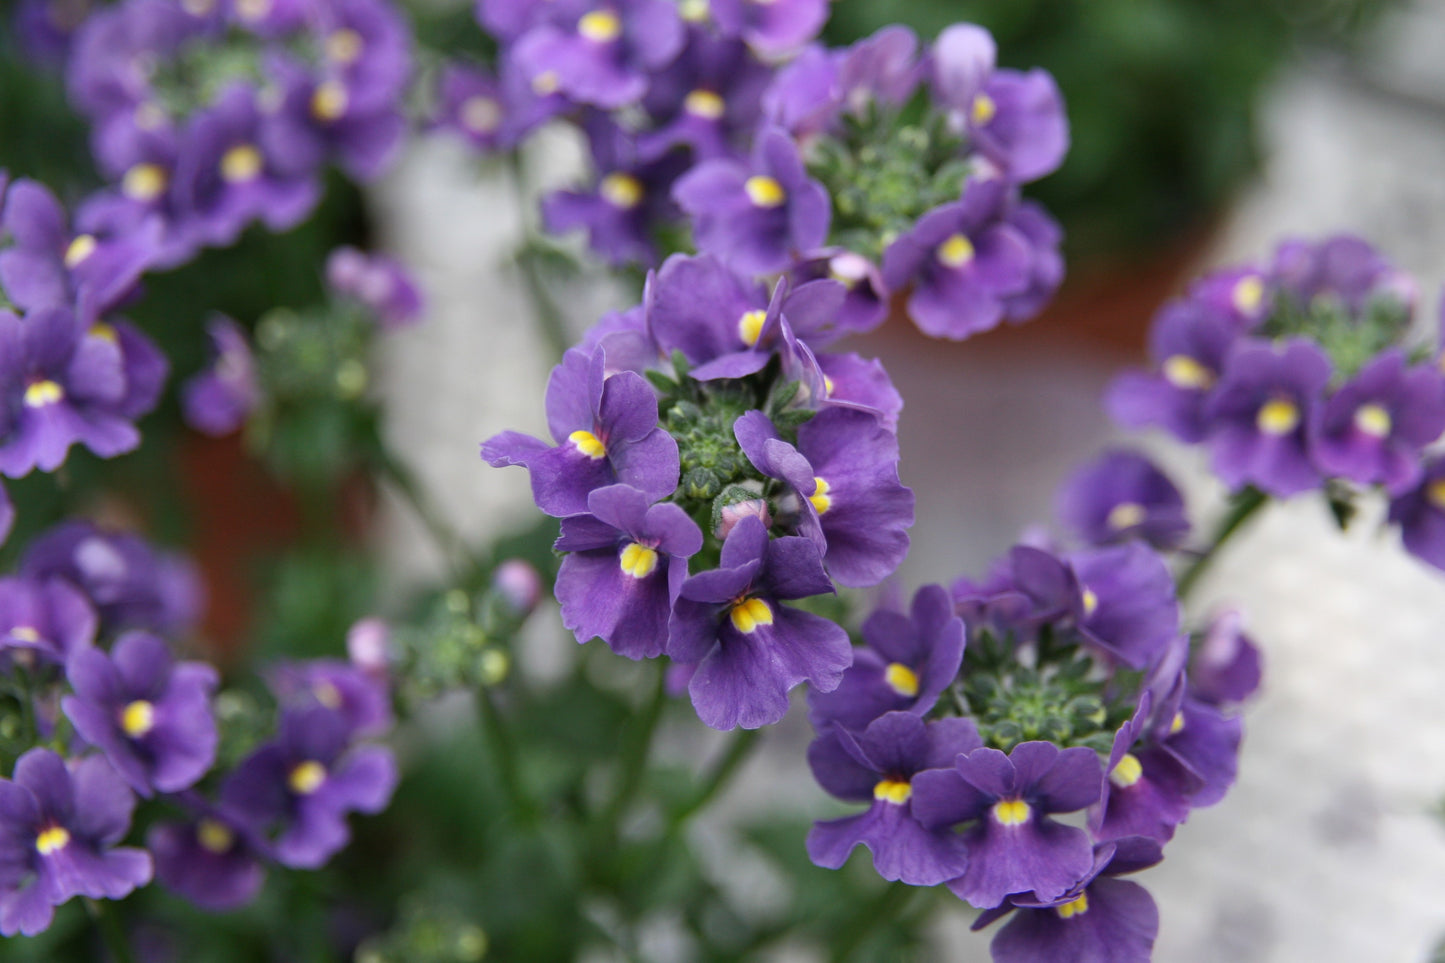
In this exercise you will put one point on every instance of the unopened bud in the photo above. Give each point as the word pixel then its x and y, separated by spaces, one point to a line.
pixel 730 515
pixel 368 645
pixel 518 585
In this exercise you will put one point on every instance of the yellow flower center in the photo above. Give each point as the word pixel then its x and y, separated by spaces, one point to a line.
pixel 1182 371
pixel 148 116
pixel 104 332
pixel 42 393
pixel 600 26
pixel 81 248
pixel 241 163
pixel 1436 493
pixel 901 679
pixel 327 694
pixel 704 104
pixel 329 101
pixel 1091 602
pixel 1127 772
pixel 748 614
pixel 253 9
pixel 545 83
pixel 1176 723
pixel 138 718
pixel 588 444
pixel 480 114
pixel 765 191
pixel 750 326
pixel 983 110
pixel 622 190
pixel 306 777
pixel 25 634
pixel 1248 294
pixel 1076 907
pixel 1126 515
pixel 1278 416
pixel 639 561
pixel 52 839
pixel 144 182
pixel 344 46
pixel 693 11
pixel 1011 812
pixel 956 251
pixel 895 791
pixel 828 385
pixel 215 836
pixel 820 498
pixel 1373 420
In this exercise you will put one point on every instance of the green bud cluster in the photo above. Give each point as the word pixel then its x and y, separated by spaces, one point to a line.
pixel 1349 339
pixel 426 933
pixel 460 644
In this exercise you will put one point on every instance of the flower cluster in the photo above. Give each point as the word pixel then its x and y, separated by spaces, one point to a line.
pixel 710 462
pixel 208 116
pixel 101 712
pixel 1060 683
pixel 1301 375
pixel 891 171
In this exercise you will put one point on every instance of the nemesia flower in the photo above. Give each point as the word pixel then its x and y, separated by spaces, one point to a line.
pixel 368 646
pixel 218 400
pixel 708 99
pixel 1014 846
pixel 1046 272
pixel 626 562
pixel 58 830
pixel 749 649
pixel 603 55
pixel 493 113
pixel 518 583
pixel 149 715
pixel 45 619
pixel 877 766
pixel 361 698
pixel 865 303
pixel 856 382
pixel 881 69
pixel 772 27
pixel 1225 665
pixel 1200 738
pixel 1129 607
pixel 756 216
pixel 318 119
pixel 701 307
pixel 1420 513
pixel 1345 268
pixel 1144 792
pixel 381 285
pixel 905 664
pixel 210 860
pixel 611 435
pixel 1122 495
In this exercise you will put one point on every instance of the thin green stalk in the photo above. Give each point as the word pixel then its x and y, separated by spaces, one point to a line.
pixel 743 744
pixel 882 911
pixel 400 479
pixel 504 751
pixel 107 922
pixel 635 753
pixel 548 315
pixel 1245 505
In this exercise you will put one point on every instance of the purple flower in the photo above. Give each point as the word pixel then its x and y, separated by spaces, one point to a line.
pixel 1188 343
pixel 772 27
pixel 320 117
pixel 48 619
pixel 378 283
pixel 58 827
pixel 220 399
pixel 708 99
pixel 493 114
pixel 906 663
pixel 130 584
pixel 1129 608
pixel 365 45
pixel 1100 919
pixel 1202 740
pixel 756 216
pixel 1144 791
pixel 149 715
pixel 1123 495
pixel 1242 294
pixel 1374 428
pixel 627 562
pixel 803 98
pixel 1260 414
pixel 1014 846
pixel 604 55
pixel 749 649
pixel 360 697
pixel 1420 513
pixel 1225 665
pixel 855 382
pixel 519 585
pixel 877 766
pixel 1344 268
pixel 865 304
pixel 610 432
pixel 699 306
pixel 210 860
pixel 45 29
pixel 844 472
pixel 963 261
pixel 297 790
pixel 879 69
pixel 1047 270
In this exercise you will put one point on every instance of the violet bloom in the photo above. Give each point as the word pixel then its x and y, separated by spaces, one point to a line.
pixel 803 98
pixel 1101 918
pixel 1129 607
pixel 210 860
pixel 381 284
pixel 62 387
pixel 881 70
pixel 366 46
pixel 319 119
pixel 1225 665
pixel 602 57
pixel 861 383
pixel 493 114
pixel 755 216
pixel 58 830
pixel 130 584
pixel 1202 740
pixel 46 29
pixel 749 649
pixel 877 766
pixel 1344 268
pixel 1420 513
pixel 1144 791
pixel 905 664
pixel 708 99
pixel 45 619
pixel 609 431
pixel 771 27
pixel 218 400
pixel 844 472
pixel 360 697
pixel 1188 344
pixel 150 715
pixel 699 306
pixel 627 562
pixel 1243 294
pixel 865 303
pixel 518 584
pixel 1374 428
pixel 963 261
pixel 1260 414
pixel 1123 495
pixel 297 790
pixel 1013 845
pixel 1046 272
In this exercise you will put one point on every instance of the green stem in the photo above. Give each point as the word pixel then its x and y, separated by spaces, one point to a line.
pixel 882 911
pixel 635 753
pixel 548 315
pixel 400 479
pixel 742 746
pixel 107 922
pixel 499 741
pixel 1243 507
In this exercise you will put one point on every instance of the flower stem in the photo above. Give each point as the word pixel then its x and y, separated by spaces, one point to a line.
pixel 401 480
pixel 635 753
pixel 743 744
pixel 504 752
pixel 885 909
pixel 549 317
pixel 107 922
pixel 1243 506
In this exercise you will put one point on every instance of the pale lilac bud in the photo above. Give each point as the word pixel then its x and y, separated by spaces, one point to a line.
pixel 519 585
pixel 368 646
pixel 736 512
